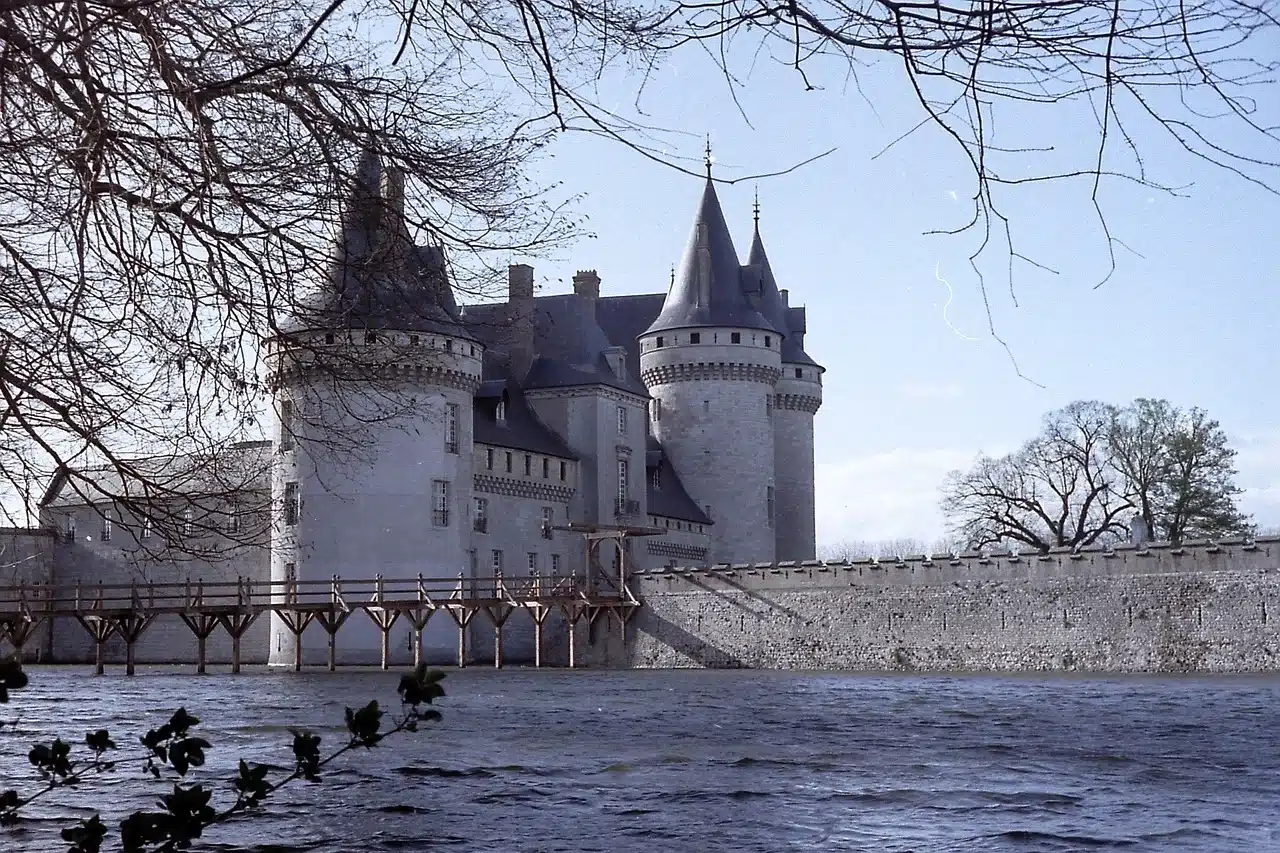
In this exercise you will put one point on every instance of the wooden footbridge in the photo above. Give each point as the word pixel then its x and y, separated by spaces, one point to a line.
pixel 127 610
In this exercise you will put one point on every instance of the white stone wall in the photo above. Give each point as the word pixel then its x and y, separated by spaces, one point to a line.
pixel 716 427
pixel 796 399
pixel 367 509
pixel 128 559
pixel 586 419
pixel 684 542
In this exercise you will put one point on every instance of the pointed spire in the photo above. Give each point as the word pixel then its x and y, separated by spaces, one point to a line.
pixel 708 157
pixel 769 302
pixel 755 210
pixel 708 290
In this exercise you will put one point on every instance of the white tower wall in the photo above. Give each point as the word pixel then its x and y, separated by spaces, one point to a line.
pixel 714 424
pixel 365 461
pixel 796 399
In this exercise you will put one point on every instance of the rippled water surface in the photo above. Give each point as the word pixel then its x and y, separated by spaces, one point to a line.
pixel 710 761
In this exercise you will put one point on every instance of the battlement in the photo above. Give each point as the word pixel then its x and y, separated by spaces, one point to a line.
pixel 1156 558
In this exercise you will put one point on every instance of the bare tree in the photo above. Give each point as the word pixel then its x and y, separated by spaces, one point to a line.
pixel 1058 490
pixel 170 181
pixel 1091 468
pixel 857 549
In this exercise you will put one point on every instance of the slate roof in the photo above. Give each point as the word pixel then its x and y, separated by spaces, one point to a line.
pixel 377 278
pixel 522 430
pixel 769 301
pixel 707 290
pixel 670 500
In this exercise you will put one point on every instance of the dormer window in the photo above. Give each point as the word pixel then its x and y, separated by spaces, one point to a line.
pixel 500 413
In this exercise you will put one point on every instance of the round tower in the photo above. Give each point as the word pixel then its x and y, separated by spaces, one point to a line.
pixel 374 384
pixel 797 397
pixel 710 361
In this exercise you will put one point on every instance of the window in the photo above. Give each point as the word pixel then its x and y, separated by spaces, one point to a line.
pixel 655 409
pixel 548 516
pixel 286 425
pixel 508 461
pixel 451 428
pixel 528 464
pixel 533 563
pixel 497 561
pixel 659 340
pixel 328 338
pixel 106 526
pixel 769 504
pixel 624 467
pixel 655 479
pixel 622 420
pixel 706 405
pixel 186 521
pixel 695 337
pixel 564 470
pixel 370 337
pixel 500 413
pixel 735 337
pixel 448 344
pixel 488 458
pixel 440 503
pixel 291 506
pixel 233 521
pixel 799 373
pixel 768 404
pixel 290 581
pixel 473 561
pixel 70 529
pixel 546 468
pixel 480 519
pixel 555 564
pixel 413 340
pixel 146 528
pixel 768 341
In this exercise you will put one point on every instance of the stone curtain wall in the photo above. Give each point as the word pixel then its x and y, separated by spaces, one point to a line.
pixel 1201 608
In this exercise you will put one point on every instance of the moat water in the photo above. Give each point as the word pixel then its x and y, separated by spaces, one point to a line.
pixel 706 761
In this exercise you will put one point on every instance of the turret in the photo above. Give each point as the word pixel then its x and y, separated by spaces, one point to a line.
pixel 797 396
pixel 374 380
pixel 710 361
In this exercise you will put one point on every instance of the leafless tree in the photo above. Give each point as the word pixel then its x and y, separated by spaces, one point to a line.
pixel 859 549
pixel 170 174
pixel 1059 490
pixel 1092 467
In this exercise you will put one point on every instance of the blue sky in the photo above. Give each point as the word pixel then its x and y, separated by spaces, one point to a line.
pixel 913 391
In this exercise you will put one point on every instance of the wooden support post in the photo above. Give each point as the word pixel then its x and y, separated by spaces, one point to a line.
pixel 202 625
pixel 539 615
pixel 130 628
pixel 498 614
pixel 385 620
pixel 331 620
pixel 237 624
pixel 99 628
pixel 418 619
pixel 296 621
pixel 462 615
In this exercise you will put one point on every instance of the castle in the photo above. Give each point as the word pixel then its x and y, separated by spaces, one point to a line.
pixel 480 433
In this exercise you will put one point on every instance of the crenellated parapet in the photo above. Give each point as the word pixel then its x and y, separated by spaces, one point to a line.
pixel 410 359
pixel 1260 555
pixel 807 403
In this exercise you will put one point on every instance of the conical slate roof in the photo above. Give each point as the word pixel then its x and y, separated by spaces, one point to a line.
pixel 377 278
pixel 707 290
pixel 770 304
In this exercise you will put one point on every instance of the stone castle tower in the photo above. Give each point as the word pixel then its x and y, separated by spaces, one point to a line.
pixel 373 450
pixel 734 395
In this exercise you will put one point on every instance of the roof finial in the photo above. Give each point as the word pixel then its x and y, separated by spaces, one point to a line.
pixel 708 161
pixel 673 275
pixel 756 209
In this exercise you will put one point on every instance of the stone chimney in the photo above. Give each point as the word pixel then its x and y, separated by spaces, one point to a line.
pixel 786 297
pixel 586 283
pixel 520 317
pixel 617 358
pixel 1138 533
